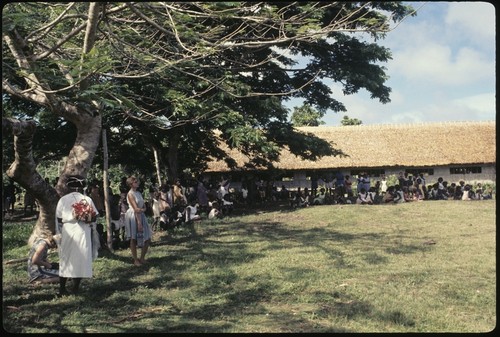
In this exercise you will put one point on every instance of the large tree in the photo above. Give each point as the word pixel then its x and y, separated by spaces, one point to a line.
pixel 166 74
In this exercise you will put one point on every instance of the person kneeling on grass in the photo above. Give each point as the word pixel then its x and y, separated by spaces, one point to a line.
pixel 40 270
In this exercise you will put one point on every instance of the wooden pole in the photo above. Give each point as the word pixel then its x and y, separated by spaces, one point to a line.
pixel 157 164
pixel 105 179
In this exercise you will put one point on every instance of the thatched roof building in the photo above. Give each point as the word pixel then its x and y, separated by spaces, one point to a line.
pixel 398 147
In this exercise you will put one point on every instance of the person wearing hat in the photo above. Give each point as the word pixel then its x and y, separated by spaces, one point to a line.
pixel 40 270
pixel 75 221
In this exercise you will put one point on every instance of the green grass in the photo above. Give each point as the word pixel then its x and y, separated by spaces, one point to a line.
pixel 416 267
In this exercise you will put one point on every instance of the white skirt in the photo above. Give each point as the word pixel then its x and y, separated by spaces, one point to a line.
pixel 75 250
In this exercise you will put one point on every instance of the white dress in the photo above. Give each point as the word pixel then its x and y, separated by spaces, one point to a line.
pixel 383 186
pixel 130 218
pixel 76 252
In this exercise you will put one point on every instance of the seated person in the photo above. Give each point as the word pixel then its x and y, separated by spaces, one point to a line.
pixel 364 197
pixel 299 200
pixel 227 204
pixel 479 192
pixel 468 194
pixel 389 195
pixel 284 193
pixel 399 196
pixel 191 213
pixel 372 194
pixel 214 211
pixel 40 270
pixel 320 197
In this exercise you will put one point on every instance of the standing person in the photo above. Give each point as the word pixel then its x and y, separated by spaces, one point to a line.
pixel 361 182
pixel 75 221
pixel 244 192
pixel 366 181
pixel 340 189
pixel 179 197
pixel 383 184
pixel 39 268
pixel 136 223
pixel 123 185
pixel 314 184
pixel 348 186
pixel 10 193
pixel 156 209
pixel 29 201
pixel 201 194
pixel 97 197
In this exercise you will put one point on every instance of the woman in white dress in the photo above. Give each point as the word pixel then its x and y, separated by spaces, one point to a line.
pixel 383 184
pixel 136 224
pixel 75 221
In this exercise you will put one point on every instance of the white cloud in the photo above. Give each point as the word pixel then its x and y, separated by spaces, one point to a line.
pixel 436 63
pixel 443 69
pixel 475 19
pixel 482 105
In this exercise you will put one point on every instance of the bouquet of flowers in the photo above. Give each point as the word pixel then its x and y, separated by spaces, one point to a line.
pixel 83 211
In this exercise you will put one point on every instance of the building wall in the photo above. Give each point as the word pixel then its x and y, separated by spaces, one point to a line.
pixel 302 178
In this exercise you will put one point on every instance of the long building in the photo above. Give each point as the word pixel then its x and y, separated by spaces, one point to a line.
pixel 452 150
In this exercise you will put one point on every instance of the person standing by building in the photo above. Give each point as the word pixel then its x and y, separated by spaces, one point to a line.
pixel 348 186
pixel 383 185
pixel 340 189
pixel 75 220
pixel 136 224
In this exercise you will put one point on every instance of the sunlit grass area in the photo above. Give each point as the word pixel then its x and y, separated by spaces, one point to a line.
pixel 416 267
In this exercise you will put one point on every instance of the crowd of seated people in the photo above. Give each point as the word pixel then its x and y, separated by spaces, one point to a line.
pixel 183 201
pixel 407 189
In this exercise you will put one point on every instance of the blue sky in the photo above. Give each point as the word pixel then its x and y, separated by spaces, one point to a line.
pixel 442 69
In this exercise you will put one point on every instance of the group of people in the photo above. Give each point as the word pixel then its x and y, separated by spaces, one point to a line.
pixel 414 188
pixel 408 188
pixel 77 239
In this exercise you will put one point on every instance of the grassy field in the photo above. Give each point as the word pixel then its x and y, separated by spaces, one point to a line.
pixel 417 267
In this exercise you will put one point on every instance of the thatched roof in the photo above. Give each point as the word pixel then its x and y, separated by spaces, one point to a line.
pixel 389 145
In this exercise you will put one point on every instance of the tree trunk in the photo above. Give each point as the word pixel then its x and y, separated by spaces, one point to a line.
pixel 82 154
pixel 23 171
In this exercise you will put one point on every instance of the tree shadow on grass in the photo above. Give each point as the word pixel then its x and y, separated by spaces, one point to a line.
pixel 224 296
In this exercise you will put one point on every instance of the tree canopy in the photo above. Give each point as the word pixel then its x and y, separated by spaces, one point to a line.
pixel 164 75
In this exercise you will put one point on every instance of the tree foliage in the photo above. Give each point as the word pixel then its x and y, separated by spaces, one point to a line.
pixel 164 75
pixel 346 120
pixel 306 115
